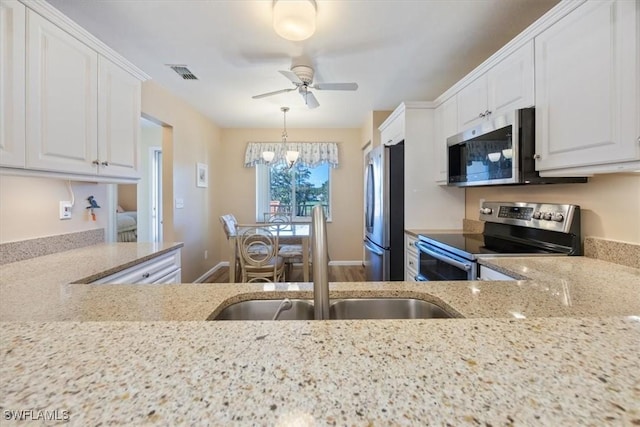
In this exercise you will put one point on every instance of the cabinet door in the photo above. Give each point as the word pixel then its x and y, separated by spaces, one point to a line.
pixel 586 87
pixel 12 83
pixel 472 103
pixel 394 132
pixel 446 125
pixel 61 100
pixel 511 82
pixel 118 121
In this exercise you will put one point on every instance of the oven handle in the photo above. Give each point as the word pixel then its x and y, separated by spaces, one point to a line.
pixel 437 255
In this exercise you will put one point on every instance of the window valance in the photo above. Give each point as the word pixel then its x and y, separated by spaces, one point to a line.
pixel 311 154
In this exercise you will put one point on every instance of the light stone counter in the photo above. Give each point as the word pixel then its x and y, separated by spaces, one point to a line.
pixel 571 361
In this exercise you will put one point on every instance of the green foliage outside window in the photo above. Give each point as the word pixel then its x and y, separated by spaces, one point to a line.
pixel 300 188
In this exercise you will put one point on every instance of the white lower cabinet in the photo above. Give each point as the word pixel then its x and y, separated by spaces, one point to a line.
pixel 163 269
pixel 487 273
pixel 411 258
pixel 587 77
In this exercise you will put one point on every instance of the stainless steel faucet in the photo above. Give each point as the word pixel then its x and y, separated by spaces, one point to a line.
pixel 320 260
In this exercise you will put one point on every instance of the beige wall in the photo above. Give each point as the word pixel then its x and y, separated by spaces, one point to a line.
pixel 29 207
pixel 610 204
pixel 370 133
pixel 128 197
pixel 344 233
pixel 194 139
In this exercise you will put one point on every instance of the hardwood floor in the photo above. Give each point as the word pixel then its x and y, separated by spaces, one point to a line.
pixel 337 273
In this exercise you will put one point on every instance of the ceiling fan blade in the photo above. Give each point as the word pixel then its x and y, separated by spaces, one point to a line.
pixel 264 95
pixel 309 99
pixel 291 76
pixel 336 86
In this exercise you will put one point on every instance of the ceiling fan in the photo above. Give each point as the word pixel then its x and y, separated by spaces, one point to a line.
pixel 302 78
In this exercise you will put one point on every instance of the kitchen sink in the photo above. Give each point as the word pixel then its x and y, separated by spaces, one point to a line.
pixel 385 308
pixel 342 309
pixel 264 309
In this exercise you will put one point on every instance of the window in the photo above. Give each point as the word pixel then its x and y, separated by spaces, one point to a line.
pixel 296 190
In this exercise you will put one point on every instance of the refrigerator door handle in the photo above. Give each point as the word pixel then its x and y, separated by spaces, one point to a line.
pixel 375 250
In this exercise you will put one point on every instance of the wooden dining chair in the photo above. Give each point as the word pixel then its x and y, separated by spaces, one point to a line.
pixel 230 226
pixel 292 253
pixel 257 248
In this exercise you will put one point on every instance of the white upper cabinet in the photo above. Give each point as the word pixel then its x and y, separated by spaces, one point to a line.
pixel 507 86
pixel 445 125
pixel 426 204
pixel 70 105
pixel 12 96
pixel 472 105
pixel 392 131
pixel 118 121
pixel 587 117
pixel 62 100
pixel 511 82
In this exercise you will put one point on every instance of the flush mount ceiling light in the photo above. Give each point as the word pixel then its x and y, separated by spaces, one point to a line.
pixel 294 19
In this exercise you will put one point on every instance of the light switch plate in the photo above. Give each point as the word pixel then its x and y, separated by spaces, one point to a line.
pixel 179 203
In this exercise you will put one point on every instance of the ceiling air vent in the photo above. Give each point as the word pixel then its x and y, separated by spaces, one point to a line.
pixel 184 72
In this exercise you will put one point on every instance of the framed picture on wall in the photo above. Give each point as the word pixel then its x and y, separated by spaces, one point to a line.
pixel 202 175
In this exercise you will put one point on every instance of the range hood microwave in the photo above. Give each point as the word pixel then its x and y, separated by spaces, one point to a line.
pixel 498 152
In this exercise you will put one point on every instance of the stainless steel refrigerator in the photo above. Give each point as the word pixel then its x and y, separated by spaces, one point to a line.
pixel 384 213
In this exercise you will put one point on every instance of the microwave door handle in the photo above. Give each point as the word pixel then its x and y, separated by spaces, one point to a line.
pixel 461 265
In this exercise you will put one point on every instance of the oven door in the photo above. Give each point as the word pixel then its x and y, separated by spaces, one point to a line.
pixel 436 264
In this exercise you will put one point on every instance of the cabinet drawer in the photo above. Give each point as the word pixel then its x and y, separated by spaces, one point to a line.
pixel 410 258
pixel 151 271
pixel 411 244
pixel 487 273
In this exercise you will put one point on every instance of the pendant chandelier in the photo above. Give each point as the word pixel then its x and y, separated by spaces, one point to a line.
pixel 291 156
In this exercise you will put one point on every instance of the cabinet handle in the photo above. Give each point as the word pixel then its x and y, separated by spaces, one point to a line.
pixel 411 263
pixel 390 141
pixel 487 113
pixel 146 275
pixel 481 115
pixel 537 156
pixel 95 162
pixel 105 163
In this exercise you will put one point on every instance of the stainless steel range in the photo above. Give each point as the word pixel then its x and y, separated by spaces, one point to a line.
pixel 511 229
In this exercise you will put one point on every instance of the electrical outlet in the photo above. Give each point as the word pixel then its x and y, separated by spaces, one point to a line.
pixel 65 210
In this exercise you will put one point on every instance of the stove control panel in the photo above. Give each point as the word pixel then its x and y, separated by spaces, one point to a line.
pixel 547 216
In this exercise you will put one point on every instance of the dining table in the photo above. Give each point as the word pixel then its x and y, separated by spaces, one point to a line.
pixel 290 233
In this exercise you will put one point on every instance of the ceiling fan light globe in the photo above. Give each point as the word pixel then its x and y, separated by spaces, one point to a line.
pixel 294 20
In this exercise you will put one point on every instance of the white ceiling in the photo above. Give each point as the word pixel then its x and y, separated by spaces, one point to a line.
pixel 396 51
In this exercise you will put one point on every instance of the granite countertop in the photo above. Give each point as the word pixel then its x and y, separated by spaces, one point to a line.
pixel 559 348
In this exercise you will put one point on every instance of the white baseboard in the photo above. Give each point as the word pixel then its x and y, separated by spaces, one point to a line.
pixel 215 268
pixel 356 262
pixel 226 264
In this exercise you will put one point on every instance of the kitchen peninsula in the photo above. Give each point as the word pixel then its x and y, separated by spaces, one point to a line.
pixel 559 348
